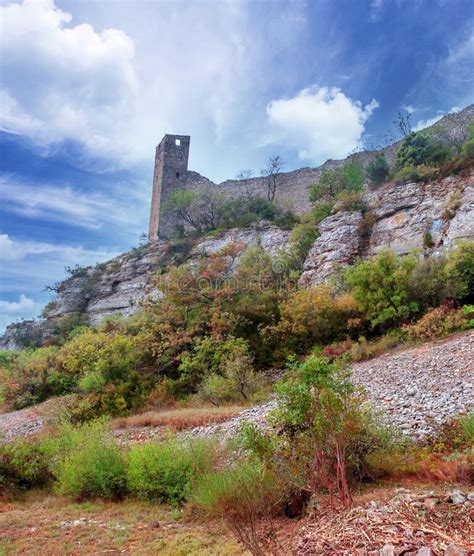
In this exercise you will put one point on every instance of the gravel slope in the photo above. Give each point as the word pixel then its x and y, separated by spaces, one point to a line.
pixel 416 389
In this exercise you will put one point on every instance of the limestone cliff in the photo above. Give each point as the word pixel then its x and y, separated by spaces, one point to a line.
pixel 402 217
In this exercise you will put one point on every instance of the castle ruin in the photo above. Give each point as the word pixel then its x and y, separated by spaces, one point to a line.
pixel 171 173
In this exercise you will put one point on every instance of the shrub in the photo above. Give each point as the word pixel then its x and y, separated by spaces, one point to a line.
pixel 428 242
pixel 459 272
pixel 24 464
pixel 168 471
pixel 240 495
pixel 87 462
pixel 451 205
pixel 380 287
pixel 34 376
pixel 313 316
pixel 437 322
pixel 325 431
pixel 364 349
pixel 349 177
pixel 417 149
pixel 237 380
pixel 378 170
pixel 422 173
pixel 351 201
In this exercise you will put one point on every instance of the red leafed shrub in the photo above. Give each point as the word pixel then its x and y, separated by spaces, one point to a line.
pixel 337 349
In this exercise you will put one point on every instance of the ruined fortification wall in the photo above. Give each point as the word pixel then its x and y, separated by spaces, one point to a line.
pixel 171 173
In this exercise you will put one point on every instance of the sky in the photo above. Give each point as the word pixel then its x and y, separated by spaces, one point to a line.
pixel 89 87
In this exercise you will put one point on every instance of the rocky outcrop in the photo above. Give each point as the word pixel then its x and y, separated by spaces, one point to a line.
pixel 402 217
pixel 337 245
pixel 119 286
pixel 271 239
pixel 415 216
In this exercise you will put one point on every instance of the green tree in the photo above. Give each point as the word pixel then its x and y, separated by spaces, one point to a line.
pixel 417 149
pixel 378 170
pixel 380 287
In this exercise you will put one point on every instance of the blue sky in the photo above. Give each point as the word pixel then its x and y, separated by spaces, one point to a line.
pixel 88 88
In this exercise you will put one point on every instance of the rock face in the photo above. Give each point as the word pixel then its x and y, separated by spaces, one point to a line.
pixel 401 217
pixel 270 238
pixel 337 245
pixel 119 286
pixel 405 213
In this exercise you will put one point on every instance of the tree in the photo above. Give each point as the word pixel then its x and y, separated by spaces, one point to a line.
pixel 417 149
pixel 245 176
pixel 403 123
pixel 271 174
pixel 378 170
pixel 380 287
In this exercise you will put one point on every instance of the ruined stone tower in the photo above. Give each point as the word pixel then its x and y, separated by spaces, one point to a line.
pixel 171 168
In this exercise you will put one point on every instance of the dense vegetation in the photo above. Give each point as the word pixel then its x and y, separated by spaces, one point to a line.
pixel 234 314
pixel 222 322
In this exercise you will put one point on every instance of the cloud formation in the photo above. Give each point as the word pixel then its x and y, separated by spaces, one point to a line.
pixel 320 122
pixel 18 308
pixel 63 82
pixel 71 206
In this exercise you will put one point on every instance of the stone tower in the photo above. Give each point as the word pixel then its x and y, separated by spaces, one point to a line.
pixel 171 168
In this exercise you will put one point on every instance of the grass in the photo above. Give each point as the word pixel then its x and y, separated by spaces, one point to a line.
pixel 178 419
pixel 51 525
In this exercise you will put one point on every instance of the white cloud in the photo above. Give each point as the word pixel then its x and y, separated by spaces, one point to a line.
pixel 321 123
pixel 30 265
pixel 422 124
pixel 198 68
pixel 409 108
pixel 14 250
pixel 18 308
pixel 61 81
pixel 71 206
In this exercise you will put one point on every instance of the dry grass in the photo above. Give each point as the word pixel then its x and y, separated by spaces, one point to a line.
pixel 178 419
pixel 50 526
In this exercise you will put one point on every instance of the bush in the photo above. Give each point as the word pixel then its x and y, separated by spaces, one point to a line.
pixel 380 287
pixel 325 431
pixel 87 462
pixel 236 380
pixel 168 471
pixel 349 177
pixel 417 149
pixel 437 322
pixel 422 173
pixel 241 495
pixel 364 349
pixel 24 464
pixel 313 316
pixel 459 272
pixel 351 201
pixel 378 170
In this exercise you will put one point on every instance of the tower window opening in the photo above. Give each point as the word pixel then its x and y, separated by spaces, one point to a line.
pixel 177 142
pixel 177 174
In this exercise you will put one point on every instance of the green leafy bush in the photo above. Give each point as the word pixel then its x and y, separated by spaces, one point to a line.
pixel 325 431
pixel 24 464
pixel 378 170
pixel 417 149
pixel 380 287
pixel 349 177
pixel 87 462
pixel 459 272
pixel 168 471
